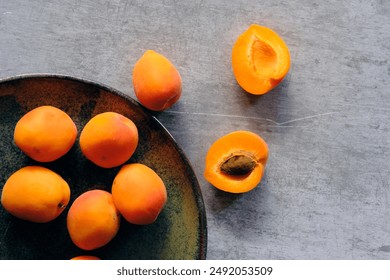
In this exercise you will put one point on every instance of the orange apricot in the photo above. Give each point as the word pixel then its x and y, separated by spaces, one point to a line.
pixel 45 133
pixel 260 59
pixel 236 162
pixel 139 193
pixel 85 257
pixel 157 83
pixel 109 139
pixel 93 220
pixel 35 194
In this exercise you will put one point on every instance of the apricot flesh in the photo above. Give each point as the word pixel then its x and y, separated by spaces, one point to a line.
pixel 109 139
pixel 45 133
pixel 35 194
pixel 156 81
pixel 139 193
pixel 260 59
pixel 93 220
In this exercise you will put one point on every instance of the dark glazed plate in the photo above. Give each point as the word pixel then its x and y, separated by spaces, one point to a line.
pixel 180 231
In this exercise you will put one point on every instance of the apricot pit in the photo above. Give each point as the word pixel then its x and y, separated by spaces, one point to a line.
pixel 239 164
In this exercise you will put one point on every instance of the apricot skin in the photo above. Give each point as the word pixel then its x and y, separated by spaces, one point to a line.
pixel 139 193
pixel 93 220
pixel 85 257
pixel 45 133
pixel 35 194
pixel 157 83
pixel 109 139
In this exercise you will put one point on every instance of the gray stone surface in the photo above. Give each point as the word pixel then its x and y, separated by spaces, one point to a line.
pixel 326 192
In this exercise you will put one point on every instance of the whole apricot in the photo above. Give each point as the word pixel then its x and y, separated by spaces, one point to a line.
pixel 260 59
pixel 93 220
pixel 138 193
pixel 156 81
pixel 45 133
pixel 109 139
pixel 35 194
pixel 85 257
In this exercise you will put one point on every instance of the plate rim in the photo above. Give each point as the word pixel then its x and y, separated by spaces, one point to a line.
pixel 202 254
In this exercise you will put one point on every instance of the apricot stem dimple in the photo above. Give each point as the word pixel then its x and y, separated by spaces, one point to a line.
pixel 239 164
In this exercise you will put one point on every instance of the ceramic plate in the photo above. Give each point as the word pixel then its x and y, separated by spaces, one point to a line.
pixel 180 231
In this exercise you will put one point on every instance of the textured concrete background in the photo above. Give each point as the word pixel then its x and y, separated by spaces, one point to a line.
pixel 326 192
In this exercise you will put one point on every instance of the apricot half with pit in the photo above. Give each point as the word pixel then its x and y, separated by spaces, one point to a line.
pixel 236 162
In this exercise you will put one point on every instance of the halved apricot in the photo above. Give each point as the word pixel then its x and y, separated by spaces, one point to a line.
pixel 235 163
pixel 260 59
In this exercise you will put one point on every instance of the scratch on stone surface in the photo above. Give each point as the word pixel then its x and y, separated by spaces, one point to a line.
pixel 275 123
pixel 306 118
pixel 367 107
pixel 385 248
pixel 222 116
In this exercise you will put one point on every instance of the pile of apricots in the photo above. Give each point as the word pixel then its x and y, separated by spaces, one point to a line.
pixel 234 163
pixel 37 194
